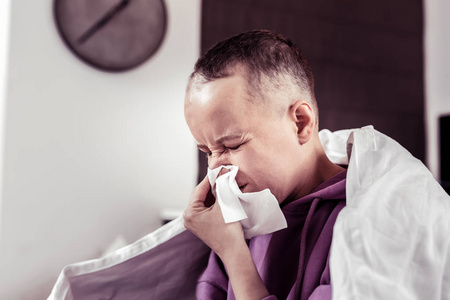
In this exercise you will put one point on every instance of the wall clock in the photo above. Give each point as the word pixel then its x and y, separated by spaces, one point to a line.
pixel 111 35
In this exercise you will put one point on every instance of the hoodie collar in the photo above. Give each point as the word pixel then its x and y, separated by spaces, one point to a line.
pixel 331 189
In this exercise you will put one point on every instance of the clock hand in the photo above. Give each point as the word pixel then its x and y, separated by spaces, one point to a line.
pixel 103 21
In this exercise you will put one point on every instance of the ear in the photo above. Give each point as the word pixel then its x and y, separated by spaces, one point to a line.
pixel 303 115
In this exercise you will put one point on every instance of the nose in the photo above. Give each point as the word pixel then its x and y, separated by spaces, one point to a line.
pixel 216 160
pixel 223 171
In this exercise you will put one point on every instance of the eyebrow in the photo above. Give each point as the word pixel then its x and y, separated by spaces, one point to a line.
pixel 223 139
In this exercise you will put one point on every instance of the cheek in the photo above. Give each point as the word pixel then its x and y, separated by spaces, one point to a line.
pixel 258 166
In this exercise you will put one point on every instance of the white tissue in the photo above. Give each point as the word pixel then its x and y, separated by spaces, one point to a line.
pixel 258 212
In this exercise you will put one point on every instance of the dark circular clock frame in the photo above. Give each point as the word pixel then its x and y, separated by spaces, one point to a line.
pixel 97 26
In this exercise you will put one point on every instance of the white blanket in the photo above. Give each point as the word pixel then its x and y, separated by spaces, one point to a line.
pixel 391 241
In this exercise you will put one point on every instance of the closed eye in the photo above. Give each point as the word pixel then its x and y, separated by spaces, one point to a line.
pixel 235 147
pixel 222 151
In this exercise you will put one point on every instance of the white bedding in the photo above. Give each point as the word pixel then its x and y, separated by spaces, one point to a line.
pixel 391 241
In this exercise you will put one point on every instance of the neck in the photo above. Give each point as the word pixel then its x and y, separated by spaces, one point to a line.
pixel 325 169
pixel 328 169
pixel 320 169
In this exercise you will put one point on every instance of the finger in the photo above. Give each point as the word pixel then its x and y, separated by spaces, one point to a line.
pixel 200 192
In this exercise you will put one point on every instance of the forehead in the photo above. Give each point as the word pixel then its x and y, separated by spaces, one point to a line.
pixel 223 95
pixel 221 107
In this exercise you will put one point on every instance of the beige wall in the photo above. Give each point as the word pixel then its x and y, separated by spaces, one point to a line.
pixel 88 155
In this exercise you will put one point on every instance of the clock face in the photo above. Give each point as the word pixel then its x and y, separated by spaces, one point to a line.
pixel 111 35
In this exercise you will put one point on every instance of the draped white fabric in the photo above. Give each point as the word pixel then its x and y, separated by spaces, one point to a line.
pixel 391 241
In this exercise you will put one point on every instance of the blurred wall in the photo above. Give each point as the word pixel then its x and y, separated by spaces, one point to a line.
pixel 88 155
pixel 437 67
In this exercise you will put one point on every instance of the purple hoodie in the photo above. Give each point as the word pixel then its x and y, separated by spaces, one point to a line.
pixel 293 262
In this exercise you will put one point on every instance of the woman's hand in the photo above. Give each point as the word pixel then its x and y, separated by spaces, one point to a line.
pixel 204 218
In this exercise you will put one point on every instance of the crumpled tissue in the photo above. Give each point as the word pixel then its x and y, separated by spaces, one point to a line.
pixel 258 212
